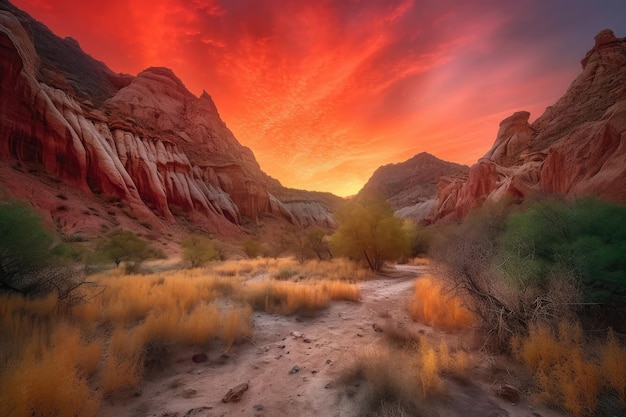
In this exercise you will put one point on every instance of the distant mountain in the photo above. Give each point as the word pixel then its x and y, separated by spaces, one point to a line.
pixel 576 148
pixel 98 150
pixel 410 187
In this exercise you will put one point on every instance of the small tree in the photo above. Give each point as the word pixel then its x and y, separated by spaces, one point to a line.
pixel 30 263
pixel 368 231
pixel 199 250
pixel 317 240
pixel 24 247
pixel 125 246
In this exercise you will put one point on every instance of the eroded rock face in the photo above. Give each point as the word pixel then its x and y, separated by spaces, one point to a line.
pixel 576 148
pixel 152 144
pixel 411 186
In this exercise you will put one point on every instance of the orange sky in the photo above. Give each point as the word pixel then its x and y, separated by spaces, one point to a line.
pixel 324 92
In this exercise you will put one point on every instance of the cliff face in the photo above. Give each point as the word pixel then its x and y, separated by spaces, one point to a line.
pixel 576 148
pixel 145 140
pixel 410 187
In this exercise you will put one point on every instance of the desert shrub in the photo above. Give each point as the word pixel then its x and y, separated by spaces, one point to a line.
pixel 125 246
pixel 252 248
pixel 433 306
pixel 369 232
pixel 585 239
pixel 199 250
pixel 567 372
pixel 408 381
pixel 469 259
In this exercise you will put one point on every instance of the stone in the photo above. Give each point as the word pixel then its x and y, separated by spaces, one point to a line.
pixel 294 370
pixel 199 357
pixel 235 394
pixel 509 393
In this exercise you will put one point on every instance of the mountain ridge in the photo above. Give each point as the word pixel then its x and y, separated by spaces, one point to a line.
pixel 145 142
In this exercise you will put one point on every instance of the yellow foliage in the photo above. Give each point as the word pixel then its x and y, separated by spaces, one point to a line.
pixel 614 366
pixel 432 306
pixel 566 373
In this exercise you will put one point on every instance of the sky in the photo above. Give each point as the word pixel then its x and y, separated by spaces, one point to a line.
pixel 326 91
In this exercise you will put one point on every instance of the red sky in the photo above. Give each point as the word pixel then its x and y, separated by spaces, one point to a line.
pixel 324 92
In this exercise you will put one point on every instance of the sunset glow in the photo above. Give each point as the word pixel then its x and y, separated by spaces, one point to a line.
pixel 324 92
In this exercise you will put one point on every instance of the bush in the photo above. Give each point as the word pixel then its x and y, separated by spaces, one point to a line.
pixel 125 246
pixel 30 263
pixel 199 250
pixel 585 239
pixel 252 248
pixel 369 232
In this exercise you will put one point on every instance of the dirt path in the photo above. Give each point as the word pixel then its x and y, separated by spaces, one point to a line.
pixel 291 365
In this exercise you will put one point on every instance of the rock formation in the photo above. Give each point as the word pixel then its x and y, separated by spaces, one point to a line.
pixel 145 141
pixel 576 148
pixel 410 187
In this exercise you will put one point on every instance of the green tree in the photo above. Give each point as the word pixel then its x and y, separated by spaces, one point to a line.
pixel 124 246
pixel 25 247
pixel 369 232
pixel 317 240
pixel 31 263
pixel 199 250
pixel 585 239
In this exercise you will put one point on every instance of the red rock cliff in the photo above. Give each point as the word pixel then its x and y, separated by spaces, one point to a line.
pixel 576 148
pixel 147 140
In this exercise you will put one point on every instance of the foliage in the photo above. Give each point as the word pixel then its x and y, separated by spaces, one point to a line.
pixel 25 247
pixel 567 371
pixel 30 261
pixel 369 232
pixel 433 306
pixel 585 239
pixel 252 248
pixel 125 246
pixel 199 250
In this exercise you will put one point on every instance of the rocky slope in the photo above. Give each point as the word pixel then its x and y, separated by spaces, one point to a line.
pixel 576 148
pixel 410 187
pixel 145 142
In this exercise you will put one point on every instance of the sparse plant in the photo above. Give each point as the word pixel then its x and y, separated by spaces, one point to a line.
pixel 369 232
pixel 433 306
pixel 252 248
pixel 199 250
pixel 125 246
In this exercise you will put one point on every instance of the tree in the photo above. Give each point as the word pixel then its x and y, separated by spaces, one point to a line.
pixel 125 246
pixel 199 250
pixel 30 262
pixel 585 239
pixel 25 247
pixel 317 240
pixel 368 231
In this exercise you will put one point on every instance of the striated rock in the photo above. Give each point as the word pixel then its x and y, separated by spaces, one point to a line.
pixel 145 140
pixel 576 148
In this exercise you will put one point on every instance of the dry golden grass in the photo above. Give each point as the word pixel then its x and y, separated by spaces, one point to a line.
pixel 285 297
pixel 98 348
pixel 409 378
pixel 568 373
pixel 49 381
pixel 613 362
pixel 432 306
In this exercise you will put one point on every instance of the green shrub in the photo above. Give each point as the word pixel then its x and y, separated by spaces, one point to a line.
pixel 585 239
pixel 199 250
pixel 252 248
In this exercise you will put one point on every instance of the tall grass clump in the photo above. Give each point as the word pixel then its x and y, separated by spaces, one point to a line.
pixel 431 305
pixel 570 372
